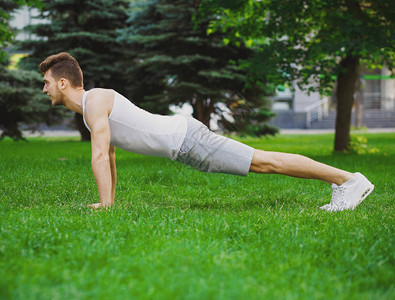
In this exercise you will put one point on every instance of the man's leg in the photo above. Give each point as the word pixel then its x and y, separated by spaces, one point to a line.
pixel 297 166
pixel 349 190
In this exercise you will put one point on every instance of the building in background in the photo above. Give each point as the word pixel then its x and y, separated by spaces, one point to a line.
pixel 374 106
pixel 23 17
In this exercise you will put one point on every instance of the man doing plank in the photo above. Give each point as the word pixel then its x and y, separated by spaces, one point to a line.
pixel 115 122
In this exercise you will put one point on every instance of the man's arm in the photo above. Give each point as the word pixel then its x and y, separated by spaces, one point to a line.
pixel 113 173
pixel 103 162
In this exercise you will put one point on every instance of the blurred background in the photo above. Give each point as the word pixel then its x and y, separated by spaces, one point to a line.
pixel 243 67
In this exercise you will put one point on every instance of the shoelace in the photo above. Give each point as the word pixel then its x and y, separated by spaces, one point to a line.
pixel 337 200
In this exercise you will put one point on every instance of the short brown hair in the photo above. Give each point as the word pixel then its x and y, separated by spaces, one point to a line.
pixel 63 65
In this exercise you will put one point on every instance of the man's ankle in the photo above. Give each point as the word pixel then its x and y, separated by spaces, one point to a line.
pixel 346 177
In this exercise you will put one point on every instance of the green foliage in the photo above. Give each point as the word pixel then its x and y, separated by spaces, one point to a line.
pixel 21 99
pixel 176 62
pixel 256 125
pixel 359 145
pixel 176 233
pixel 6 33
pixel 306 40
pixel 246 120
pixel 23 103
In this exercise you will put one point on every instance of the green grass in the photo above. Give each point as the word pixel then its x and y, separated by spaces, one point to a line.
pixel 175 233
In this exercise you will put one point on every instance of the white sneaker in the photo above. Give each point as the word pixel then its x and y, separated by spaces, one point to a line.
pixel 349 194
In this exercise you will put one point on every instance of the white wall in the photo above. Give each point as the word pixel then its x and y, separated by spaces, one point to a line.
pixel 302 99
pixel 387 91
pixel 23 17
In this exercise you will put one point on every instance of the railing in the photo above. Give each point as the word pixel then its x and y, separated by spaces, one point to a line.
pixel 377 102
pixel 317 111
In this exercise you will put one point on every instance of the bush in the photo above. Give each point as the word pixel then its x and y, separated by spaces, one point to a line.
pixel 359 145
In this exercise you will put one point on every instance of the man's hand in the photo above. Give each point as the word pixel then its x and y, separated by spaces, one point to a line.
pixel 94 205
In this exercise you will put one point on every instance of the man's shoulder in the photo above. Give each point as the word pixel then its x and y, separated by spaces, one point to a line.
pixel 99 93
pixel 98 100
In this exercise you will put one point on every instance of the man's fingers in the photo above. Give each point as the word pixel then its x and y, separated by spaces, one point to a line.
pixel 94 205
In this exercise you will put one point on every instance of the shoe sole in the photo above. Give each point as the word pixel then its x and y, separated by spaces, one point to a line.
pixel 366 193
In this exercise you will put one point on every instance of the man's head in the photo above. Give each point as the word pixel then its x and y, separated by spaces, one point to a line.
pixel 60 71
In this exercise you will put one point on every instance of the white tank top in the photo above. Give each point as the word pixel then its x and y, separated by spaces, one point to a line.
pixel 136 130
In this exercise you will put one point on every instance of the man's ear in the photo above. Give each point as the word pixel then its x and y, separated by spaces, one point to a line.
pixel 62 83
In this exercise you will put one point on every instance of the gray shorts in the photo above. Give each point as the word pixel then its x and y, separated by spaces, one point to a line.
pixel 207 151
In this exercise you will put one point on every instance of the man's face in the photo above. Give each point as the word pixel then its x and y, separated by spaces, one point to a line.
pixel 52 90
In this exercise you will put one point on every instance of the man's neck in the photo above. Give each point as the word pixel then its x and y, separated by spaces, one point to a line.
pixel 73 100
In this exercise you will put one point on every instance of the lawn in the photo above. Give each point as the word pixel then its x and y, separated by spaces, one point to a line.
pixel 175 233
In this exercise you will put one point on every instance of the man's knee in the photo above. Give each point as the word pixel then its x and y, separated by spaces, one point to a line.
pixel 265 162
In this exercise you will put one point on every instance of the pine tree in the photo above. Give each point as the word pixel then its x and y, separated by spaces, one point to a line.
pixel 23 103
pixel 175 61
pixel 87 29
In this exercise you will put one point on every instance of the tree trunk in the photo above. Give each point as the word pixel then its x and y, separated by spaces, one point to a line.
pixel 358 104
pixel 202 110
pixel 79 122
pixel 346 82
